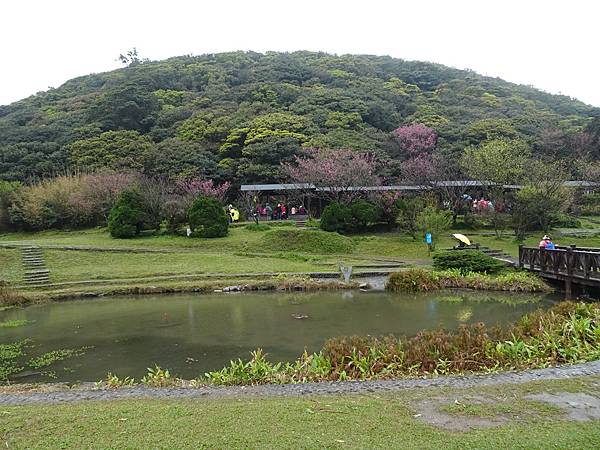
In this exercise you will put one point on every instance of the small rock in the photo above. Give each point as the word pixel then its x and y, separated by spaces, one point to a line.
pixel 231 289
pixel 218 290
pixel 299 316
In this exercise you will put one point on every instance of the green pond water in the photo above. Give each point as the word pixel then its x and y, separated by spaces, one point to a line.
pixel 191 334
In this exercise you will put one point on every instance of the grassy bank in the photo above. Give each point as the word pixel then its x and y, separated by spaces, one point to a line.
pixel 101 288
pixel 419 280
pixel 401 419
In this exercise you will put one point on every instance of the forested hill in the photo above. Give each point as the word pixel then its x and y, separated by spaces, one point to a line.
pixel 236 115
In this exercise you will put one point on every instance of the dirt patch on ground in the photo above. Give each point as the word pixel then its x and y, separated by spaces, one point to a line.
pixel 431 411
pixel 576 406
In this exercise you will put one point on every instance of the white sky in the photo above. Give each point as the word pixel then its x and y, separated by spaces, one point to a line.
pixel 552 45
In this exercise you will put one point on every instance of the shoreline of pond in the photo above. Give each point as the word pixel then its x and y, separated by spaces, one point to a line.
pixel 282 282
pixel 28 394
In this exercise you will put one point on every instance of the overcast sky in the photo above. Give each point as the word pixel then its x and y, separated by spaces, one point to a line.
pixel 552 45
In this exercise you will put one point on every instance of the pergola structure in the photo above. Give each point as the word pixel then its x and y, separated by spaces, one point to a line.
pixel 308 194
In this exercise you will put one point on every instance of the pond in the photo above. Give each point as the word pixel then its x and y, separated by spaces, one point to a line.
pixel 192 333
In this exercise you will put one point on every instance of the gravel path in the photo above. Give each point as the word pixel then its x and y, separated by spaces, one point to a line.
pixel 87 391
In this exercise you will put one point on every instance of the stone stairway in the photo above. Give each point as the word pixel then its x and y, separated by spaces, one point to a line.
pixel 36 272
pixel 301 223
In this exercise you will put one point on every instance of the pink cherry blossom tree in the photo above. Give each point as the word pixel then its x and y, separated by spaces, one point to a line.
pixel 340 175
pixel 416 138
pixel 208 188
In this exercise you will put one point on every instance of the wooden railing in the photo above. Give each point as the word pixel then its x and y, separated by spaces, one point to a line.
pixel 573 262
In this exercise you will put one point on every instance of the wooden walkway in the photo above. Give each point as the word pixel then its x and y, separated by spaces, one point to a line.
pixel 573 265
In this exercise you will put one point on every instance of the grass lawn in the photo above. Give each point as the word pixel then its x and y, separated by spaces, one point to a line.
pixel 383 420
pixel 80 265
pixel 11 268
pixel 243 251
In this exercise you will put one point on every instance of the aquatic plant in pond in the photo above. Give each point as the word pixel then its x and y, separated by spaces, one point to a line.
pixel 9 354
pixel 56 355
pixel 14 323
pixel 13 358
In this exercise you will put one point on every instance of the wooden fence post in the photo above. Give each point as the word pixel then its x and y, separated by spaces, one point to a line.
pixel 569 279
pixel 521 265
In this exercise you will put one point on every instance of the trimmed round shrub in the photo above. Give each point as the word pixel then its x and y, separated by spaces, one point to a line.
pixel 306 241
pixel 207 218
pixel 336 217
pixel 126 218
pixel 348 219
pixel 466 261
pixel 363 213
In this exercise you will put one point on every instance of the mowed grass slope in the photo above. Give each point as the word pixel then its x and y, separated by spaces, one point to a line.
pixel 383 420
pixel 83 265
pixel 283 249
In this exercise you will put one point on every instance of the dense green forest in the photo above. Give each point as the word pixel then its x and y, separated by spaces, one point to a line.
pixel 236 116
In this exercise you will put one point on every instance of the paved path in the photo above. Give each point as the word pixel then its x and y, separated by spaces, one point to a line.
pixel 87 391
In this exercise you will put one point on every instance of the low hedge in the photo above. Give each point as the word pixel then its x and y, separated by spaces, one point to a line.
pixel 307 241
pixel 466 261
pixel 421 280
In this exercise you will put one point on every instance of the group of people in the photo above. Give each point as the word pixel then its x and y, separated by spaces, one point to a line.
pixel 479 206
pixel 280 212
pixel 546 243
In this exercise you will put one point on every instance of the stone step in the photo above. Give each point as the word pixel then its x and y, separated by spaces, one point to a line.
pixel 36 275
pixel 36 271
pixel 33 263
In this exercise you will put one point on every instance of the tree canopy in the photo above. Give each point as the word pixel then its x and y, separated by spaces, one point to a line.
pixel 236 116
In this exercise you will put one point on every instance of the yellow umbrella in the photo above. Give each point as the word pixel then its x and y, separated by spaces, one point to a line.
pixel 462 238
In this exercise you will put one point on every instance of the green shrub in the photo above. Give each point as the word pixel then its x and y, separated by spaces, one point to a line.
pixel 348 219
pixel 307 241
pixel 566 221
pixel 466 261
pixel 313 223
pixel 408 208
pixel 363 213
pixel 207 218
pixel 412 280
pixel 257 227
pixel 434 221
pixel 127 217
pixel 589 204
pixel 7 190
pixel 336 217
pixel 418 280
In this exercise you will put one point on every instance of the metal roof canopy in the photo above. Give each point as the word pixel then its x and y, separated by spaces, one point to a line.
pixel 277 187
pixel 407 187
